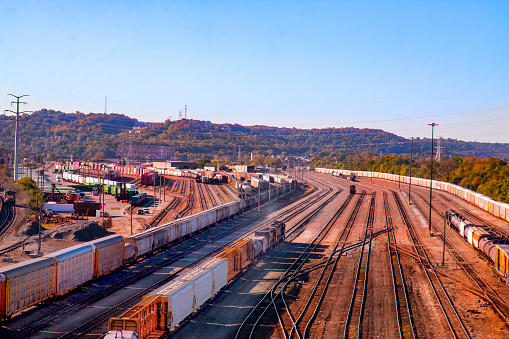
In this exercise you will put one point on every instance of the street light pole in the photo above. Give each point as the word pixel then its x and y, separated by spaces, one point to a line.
pixel 443 249
pixel 431 181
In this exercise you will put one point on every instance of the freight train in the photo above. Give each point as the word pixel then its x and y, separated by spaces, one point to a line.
pixel 10 197
pixel 28 283
pixel 163 309
pixel 482 239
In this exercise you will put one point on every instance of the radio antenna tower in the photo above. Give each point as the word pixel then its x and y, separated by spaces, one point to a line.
pixel 180 114
pixel 186 112
pixel 439 148
pixel 105 103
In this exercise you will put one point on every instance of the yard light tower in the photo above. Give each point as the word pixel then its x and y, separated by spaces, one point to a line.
pixel 410 169
pixel 399 176
pixel 431 181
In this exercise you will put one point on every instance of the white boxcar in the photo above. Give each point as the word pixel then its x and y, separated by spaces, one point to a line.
pixel 180 296
pixel 74 266
pixel 219 269
pixel 142 242
pixel 28 283
pixel 109 253
pixel 203 284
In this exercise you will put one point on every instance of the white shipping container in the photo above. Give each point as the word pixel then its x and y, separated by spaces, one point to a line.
pixel 66 208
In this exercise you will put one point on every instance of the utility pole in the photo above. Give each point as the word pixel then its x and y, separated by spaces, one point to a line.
pixel 16 134
pixel 431 176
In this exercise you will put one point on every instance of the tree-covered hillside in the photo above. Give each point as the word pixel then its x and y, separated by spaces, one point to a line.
pixel 59 135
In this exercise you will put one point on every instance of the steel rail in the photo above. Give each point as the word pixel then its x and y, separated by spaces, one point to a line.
pixel 329 225
pixel 400 289
pixel 297 263
pixel 85 327
pixel 368 232
pixel 135 276
pixel 348 227
pixel 159 217
pixel 422 254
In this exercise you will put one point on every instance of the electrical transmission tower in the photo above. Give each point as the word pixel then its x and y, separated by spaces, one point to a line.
pixel 16 134
pixel 439 148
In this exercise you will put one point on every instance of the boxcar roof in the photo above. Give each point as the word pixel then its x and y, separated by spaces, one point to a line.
pixel 173 286
pixel 108 240
pixel 504 247
pixel 70 252
pixel 21 268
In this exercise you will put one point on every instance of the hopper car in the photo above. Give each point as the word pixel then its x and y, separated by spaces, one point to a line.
pixel 31 282
pixel 483 239
pixel 165 308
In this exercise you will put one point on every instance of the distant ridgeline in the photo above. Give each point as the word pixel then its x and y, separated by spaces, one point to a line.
pixel 84 135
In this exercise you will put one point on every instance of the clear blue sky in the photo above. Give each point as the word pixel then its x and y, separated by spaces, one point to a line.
pixel 306 64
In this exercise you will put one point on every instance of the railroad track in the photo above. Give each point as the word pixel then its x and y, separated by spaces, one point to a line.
pixel 320 288
pixel 203 201
pixel 353 326
pixel 257 314
pixel 401 299
pixel 220 193
pixel 211 196
pixel 86 326
pixel 189 205
pixel 450 312
pixel 184 247
pixel 7 216
pixel 160 216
